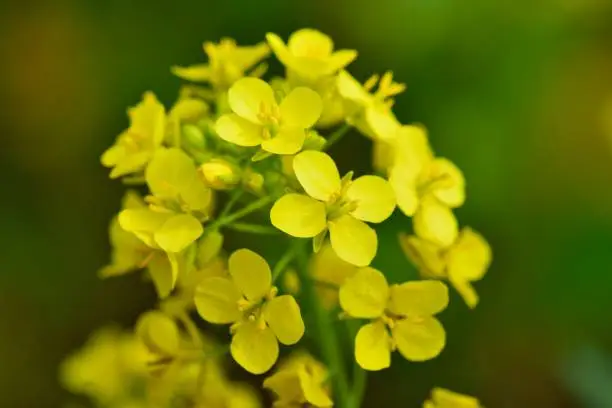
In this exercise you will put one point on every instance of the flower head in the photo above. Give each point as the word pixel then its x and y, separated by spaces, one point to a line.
pixel 338 205
pixel 248 301
pixel 134 148
pixel 443 398
pixel 464 262
pixel 227 63
pixel 258 120
pixel 402 318
pixel 299 380
pixel 370 112
pixel 309 54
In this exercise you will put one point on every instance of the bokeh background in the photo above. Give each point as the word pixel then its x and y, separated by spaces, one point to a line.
pixel 518 94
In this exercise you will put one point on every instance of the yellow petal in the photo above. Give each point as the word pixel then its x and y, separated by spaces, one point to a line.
pixel 308 42
pixel 405 188
pixel 382 121
pixel 169 172
pixel 285 384
pixel 374 198
pixel 373 347
pixel 209 247
pixel 351 89
pixel 251 274
pixel 412 152
pixel 340 59
pixel 216 300
pixel 148 119
pixel 248 96
pixel 132 163
pixel 196 195
pixel 284 318
pixel 470 257
pixel 466 291
pixel 298 215
pixel 286 141
pixel 178 232
pixel 195 73
pixel 163 274
pixel 353 240
pixel 426 256
pixel 435 223
pixel 280 49
pixel 446 398
pixel 447 182
pixel 301 108
pixel 419 340
pixel 419 298
pixel 234 129
pixel 189 109
pixel 317 173
pixel 327 267
pixel 254 348
pixel 158 332
pixel 143 223
pixel 365 294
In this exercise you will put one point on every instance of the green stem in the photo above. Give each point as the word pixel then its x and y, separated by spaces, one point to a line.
pixel 327 336
pixel 252 228
pixel 336 136
pixel 282 263
pixel 254 206
pixel 231 202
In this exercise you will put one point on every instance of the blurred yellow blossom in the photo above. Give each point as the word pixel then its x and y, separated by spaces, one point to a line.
pixel 108 369
pixel 464 262
pixel 227 63
pixel 402 318
pixel 443 398
pixel 248 301
pixel 370 112
pixel 329 272
pixel 300 380
pixel 257 120
pixel 134 148
pixel 310 54
pixel 338 205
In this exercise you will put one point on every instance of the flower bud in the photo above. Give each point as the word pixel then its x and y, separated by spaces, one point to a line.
pixel 159 333
pixel 193 137
pixel 220 174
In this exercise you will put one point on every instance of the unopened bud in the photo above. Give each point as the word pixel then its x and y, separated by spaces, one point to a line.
pixel 219 174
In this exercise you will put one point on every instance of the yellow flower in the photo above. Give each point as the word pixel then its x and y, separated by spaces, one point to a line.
pixel 219 392
pixel 464 262
pixel 340 206
pixel 370 113
pixel 106 368
pixel 248 301
pixel 227 63
pixel 402 318
pixel 328 269
pixel 416 174
pixel 134 147
pixel 443 398
pixel 257 120
pixel 300 380
pixel 309 54
pixel 159 333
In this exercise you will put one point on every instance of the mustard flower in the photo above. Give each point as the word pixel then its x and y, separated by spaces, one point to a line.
pixel 370 112
pixel 338 205
pixel 300 380
pixel 464 262
pixel 443 398
pixel 248 301
pixel 107 366
pixel 134 148
pixel 402 318
pixel 227 63
pixel 257 120
pixel 310 54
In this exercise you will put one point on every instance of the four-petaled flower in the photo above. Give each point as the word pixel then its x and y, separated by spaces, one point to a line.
pixel 402 318
pixel 248 301
pixel 258 120
pixel 464 262
pixel 340 206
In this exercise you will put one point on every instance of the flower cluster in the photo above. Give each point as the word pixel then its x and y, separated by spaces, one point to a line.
pixel 238 152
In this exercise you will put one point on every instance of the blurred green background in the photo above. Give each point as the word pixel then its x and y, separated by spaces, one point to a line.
pixel 518 94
